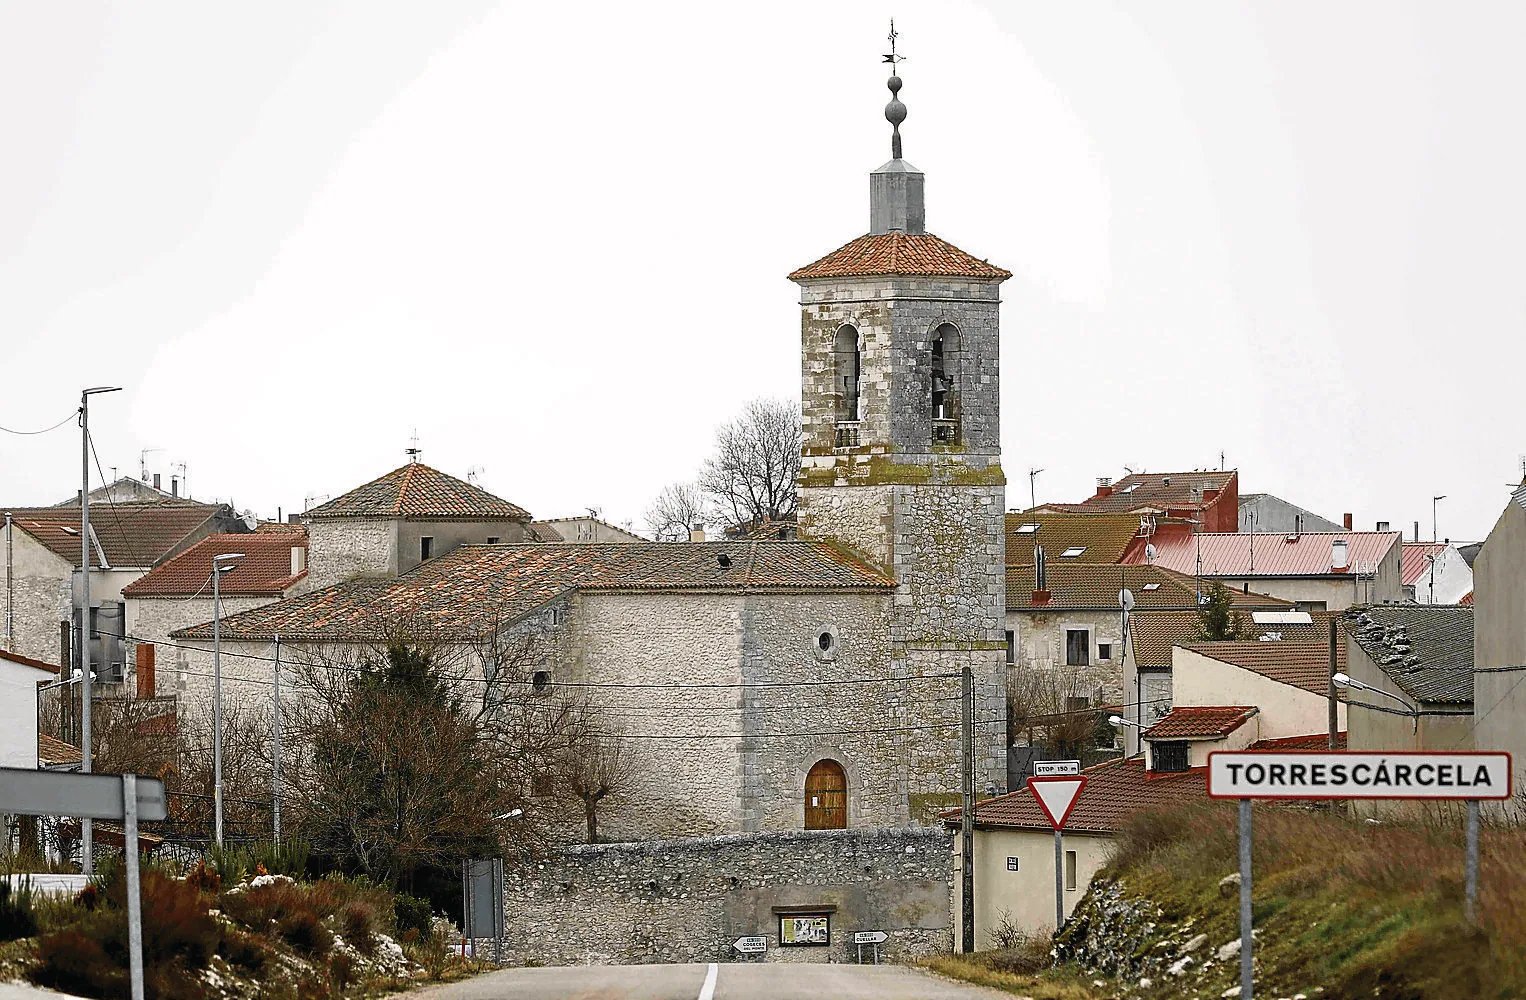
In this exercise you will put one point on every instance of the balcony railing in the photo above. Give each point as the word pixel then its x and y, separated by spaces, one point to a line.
pixel 845 434
pixel 945 431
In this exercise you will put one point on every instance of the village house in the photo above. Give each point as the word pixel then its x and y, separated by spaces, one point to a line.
pixel 19 678
pixel 1211 500
pixel 1270 514
pixel 581 529
pixel 1435 573
pixel 42 582
pixel 1317 571
pixel 1499 639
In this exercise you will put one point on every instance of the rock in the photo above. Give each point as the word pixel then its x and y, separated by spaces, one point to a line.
pixel 1233 991
pixel 1230 950
pixel 1179 966
pixel 1229 885
pixel 1098 982
pixel 1195 943
pixel 1146 982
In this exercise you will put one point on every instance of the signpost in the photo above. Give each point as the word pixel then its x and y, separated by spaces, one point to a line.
pixel 874 938
pixel 1401 774
pixel 1050 768
pixel 754 945
pixel 124 797
pixel 1056 796
pixel 482 903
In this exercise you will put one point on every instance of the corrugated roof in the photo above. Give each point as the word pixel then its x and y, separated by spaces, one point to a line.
pixel 1114 791
pixel 1304 665
pixel 1106 537
pixel 1085 585
pixel 265 570
pixel 896 253
pixel 475 588
pixel 1200 722
pixel 131 534
pixel 1426 649
pixel 419 492
pixel 1153 633
pixel 1233 554
pixel 1414 561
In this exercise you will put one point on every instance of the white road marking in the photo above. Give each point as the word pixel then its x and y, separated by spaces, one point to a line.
pixel 707 991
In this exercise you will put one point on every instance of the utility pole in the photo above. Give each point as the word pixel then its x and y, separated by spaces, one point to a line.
pixel 217 691
pixel 967 814
pixel 1434 502
pixel 1334 719
pixel 275 806
pixel 87 826
pixel 1033 475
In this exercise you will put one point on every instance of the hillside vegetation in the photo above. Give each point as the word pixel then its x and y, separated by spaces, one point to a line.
pixel 1342 908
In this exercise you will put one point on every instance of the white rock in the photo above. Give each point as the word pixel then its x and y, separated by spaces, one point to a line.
pixel 1179 966
pixel 1196 943
pixel 1145 983
pixel 1098 982
pixel 1230 950
pixel 1233 991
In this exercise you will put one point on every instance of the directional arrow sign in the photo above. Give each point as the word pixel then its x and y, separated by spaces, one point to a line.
pixel 1057 796
pixel 750 945
pixel 870 937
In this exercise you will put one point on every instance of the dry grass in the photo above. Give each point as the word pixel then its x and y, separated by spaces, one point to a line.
pixel 1353 906
pixel 984 969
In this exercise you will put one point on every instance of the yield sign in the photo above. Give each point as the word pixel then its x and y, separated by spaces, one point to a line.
pixel 1057 796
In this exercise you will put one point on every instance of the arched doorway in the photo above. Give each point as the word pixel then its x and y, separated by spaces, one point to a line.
pixel 826 797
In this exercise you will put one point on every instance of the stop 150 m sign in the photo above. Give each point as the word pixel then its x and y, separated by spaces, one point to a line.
pixel 1359 775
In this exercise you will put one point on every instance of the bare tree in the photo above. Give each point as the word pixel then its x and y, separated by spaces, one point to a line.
pixel 678 509
pixel 1041 707
pixel 751 476
pixel 595 765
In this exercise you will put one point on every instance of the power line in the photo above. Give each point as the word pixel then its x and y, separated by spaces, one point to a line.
pixel 72 414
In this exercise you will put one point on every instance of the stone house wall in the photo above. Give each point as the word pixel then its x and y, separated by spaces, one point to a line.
pixel 340 549
pixel 1040 639
pixel 689 900
pixel 40 589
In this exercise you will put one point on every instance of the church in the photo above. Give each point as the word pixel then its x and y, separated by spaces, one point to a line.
pixel 761 685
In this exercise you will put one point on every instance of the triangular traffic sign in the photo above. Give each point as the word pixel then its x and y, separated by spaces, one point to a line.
pixel 1057 796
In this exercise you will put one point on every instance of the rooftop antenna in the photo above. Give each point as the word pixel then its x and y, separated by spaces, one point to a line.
pixel 143 462
pixel 1221 460
pixel 1033 474
pixel 895 111
pixel 185 479
pixel 413 451
pixel 474 475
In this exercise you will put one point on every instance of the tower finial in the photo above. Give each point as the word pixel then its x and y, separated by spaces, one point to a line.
pixel 895 111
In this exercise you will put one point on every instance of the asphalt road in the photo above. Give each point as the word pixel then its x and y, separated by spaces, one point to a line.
pixel 740 981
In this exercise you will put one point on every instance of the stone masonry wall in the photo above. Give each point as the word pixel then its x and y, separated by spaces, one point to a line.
pixel 341 549
pixel 184 668
pixel 1041 646
pixel 689 900
pixel 40 589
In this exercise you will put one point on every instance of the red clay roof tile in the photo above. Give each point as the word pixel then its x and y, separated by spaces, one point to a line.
pixel 131 534
pixel 421 493
pixel 896 253
pixel 1114 791
pixel 265 570
pixel 1200 722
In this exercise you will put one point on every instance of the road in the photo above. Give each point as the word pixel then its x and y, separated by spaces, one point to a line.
pixel 740 981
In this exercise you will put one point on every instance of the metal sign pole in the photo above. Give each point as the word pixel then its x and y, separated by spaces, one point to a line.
pixel 1246 940
pixel 134 901
pixel 1059 881
pixel 1472 862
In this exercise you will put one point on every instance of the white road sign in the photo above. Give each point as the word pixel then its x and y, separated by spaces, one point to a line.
pixel 1057 796
pixel 65 793
pixel 870 937
pixel 1049 768
pixel 1359 775
pixel 751 945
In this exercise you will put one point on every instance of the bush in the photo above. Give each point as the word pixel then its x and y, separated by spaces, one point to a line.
pixel 74 960
pixel 357 922
pixel 304 930
pixel 411 913
pixel 17 917
pixel 176 923
pixel 205 879
pixel 245 950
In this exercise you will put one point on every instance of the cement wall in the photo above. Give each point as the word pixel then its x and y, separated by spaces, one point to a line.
pixel 1499 639
pixel 1285 710
pixel 689 900
pixel 1025 896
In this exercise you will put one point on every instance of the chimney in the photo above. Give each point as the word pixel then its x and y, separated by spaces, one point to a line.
pixel 1040 576
pixel 1339 559
pixel 145 669
pixel 697 533
pixel 1346 520
pixel 298 560
pixel 1417 531
pixel 174 485
pixel 156 480
pixel 1104 487
pixel 1382 525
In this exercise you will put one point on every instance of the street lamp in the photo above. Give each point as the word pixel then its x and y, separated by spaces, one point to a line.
pixel 1434 502
pixel 87 825
pixel 1118 720
pixel 219 567
pixel 1347 681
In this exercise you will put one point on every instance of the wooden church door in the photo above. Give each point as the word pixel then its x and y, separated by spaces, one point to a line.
pixel 826 797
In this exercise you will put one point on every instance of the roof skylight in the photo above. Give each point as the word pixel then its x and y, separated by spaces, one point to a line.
pixel 1072 552
pixel 1026 529
pixel 1152 586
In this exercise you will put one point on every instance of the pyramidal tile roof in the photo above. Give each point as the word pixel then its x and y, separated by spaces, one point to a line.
pixel 897 253
pixel 418 492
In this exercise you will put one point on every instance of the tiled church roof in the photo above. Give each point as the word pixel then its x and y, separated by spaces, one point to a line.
pixel 896 253
pixel 477 588
pixel 418 492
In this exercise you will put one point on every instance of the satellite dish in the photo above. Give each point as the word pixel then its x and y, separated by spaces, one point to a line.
pixel 1126 599
pixel 1150 551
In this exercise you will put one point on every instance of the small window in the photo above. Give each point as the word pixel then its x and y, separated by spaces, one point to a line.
pixel 827 643
pixel 1077 647
pixel 1072 552
pixel 1077 703
pixel 1170 756
pixel 1129 488
pixel 492 539
pixel 1011 647
pixel 1311 605
pixel 1152 586
pixel 540 681
pixel 558 615
pixel 1026 529
pixel 426 547
pixel 1070 870
pixel 1104 651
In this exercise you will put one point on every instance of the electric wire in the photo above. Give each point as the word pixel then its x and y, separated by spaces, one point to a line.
pixel 72 415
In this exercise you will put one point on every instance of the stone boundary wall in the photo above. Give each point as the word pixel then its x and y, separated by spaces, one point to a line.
pixel 689 900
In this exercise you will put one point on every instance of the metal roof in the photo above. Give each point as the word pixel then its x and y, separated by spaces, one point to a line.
pixel 1243 554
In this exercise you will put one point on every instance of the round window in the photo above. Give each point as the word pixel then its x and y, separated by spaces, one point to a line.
pixel 826 643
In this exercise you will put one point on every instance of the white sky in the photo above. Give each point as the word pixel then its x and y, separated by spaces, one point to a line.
pixel 553 237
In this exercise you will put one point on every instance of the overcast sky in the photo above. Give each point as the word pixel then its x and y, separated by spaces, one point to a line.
pixel 553 237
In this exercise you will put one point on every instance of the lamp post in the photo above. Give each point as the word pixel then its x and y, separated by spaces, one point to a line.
pixel 1434 502
pixel 1347 681
pixel 87 826
pixel 219 567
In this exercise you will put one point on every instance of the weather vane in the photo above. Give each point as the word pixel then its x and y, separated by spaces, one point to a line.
pixel 895 111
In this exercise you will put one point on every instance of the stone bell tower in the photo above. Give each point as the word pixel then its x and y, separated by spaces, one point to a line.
pixel 901 461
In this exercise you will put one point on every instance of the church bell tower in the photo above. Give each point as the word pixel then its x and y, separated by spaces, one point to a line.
pixel 901 460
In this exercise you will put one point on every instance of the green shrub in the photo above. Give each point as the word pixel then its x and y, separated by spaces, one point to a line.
pixel 18 919
pixel 411 913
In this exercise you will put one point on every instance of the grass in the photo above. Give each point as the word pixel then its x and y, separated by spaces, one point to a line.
pixel 1360 909
pixel 985 968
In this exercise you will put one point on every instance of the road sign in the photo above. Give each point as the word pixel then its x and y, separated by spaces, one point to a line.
pixel 751 945
pixel 1359 775
pixel 870 937
pixel 65 793
pixel 1050 768
pixel 1057 796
